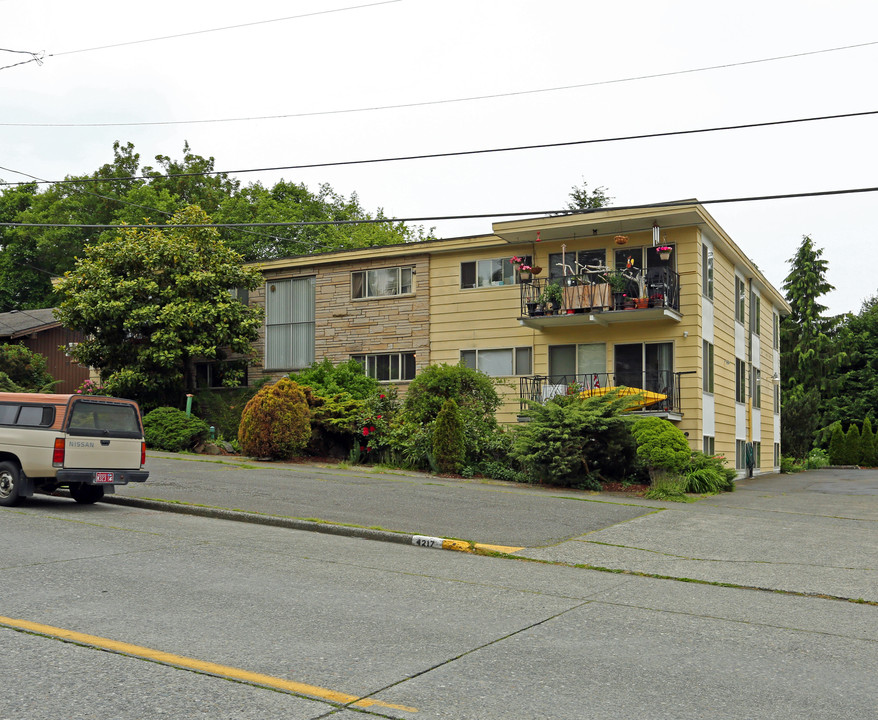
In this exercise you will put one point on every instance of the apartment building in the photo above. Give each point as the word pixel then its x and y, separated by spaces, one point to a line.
pixel 659 299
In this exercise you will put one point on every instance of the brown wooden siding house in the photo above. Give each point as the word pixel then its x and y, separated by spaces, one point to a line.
pixel 40 332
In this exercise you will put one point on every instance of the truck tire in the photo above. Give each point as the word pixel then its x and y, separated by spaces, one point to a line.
pixel 10 475
pixel 86 494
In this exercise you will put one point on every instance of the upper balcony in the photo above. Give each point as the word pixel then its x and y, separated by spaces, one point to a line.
pixel 601 297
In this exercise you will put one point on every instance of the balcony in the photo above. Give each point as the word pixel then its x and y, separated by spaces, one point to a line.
pixel 601 297
pixel 658 390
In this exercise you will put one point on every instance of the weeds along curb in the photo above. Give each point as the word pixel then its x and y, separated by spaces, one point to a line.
pixel 295 524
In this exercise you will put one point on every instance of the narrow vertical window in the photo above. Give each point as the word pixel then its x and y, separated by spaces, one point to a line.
pixel 707 272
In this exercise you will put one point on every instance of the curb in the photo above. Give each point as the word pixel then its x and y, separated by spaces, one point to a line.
pixel 425 541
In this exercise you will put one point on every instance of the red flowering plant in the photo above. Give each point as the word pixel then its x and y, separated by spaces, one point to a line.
pixel 373 426
pixel 91 387
pixel 520 263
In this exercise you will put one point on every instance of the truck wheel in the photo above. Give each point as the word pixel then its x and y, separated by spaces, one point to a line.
pixel 85 493
pixel 9 476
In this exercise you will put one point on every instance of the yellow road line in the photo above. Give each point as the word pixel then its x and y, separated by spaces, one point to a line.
pixel 198 665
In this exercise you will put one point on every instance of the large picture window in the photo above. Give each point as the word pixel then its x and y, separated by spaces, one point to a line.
pixel 289 323
pixel 576 262
pixel 500 362
pixel 381 282
pixel 487 273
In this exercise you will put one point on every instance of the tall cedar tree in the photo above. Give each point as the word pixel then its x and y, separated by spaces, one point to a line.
pixel 808 353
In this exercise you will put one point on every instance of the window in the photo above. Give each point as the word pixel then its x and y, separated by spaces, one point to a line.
pixel 740 381
pixel 708 445
pixel 649 366
pixel 289 323
pixel 485 273
pixel 776 398
pixel 754 313
pixel 777 454
pixel 740 454
pixel 707 367
pixel 740 298
pixel 241 294
pixel 388 367
pixel 707 272
pixel 577 262
pixel 28 415
pixel 499 363
pixel 383 282
pixel 756 390
pixel 757 454
pixel 775 331
pixel 221 373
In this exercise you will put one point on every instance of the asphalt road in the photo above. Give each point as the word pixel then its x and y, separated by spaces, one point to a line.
pixel 257 621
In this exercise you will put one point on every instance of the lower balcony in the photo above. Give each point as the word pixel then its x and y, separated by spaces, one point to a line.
pixel 601 297
pixel 658 391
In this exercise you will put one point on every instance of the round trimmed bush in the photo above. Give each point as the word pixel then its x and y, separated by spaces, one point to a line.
pixel 170 429
pixel 276 422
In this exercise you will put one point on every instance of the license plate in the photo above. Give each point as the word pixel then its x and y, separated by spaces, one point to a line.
pixel 103 477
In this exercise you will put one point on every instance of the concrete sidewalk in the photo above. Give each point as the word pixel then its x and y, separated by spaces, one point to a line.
pixel 813 533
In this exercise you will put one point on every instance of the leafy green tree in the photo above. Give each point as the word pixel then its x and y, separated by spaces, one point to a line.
pixel 581 198
pixel 22 370
pixel 809 356
pixel 152 302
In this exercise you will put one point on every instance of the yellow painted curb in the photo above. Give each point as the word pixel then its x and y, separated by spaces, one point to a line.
pixel 459 545
pixel 508 549
pixel 198 665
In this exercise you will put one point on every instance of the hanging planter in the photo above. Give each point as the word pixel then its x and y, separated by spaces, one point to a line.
pixel 621 239
pixel 664 251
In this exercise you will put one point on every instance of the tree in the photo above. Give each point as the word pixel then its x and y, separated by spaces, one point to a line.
pixel 808 353
pixel 837 445
pixel 852 445
pixel 581 199
pixel 449 448
pixel 22 370
pixel 152 302
pixel 867 444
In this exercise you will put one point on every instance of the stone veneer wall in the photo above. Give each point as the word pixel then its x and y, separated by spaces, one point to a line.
pixel 344 327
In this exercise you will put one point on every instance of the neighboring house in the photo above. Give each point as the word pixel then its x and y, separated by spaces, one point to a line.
pixel 705 341
pixel 40 332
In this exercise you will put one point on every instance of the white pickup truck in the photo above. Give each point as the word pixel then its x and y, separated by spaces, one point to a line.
pixel 84 442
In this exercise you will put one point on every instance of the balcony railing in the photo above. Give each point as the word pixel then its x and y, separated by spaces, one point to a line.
pixel 649 383
pixel 601 290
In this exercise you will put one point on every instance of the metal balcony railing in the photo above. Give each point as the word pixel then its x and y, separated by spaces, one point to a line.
pixel 601 290
pixel 540 388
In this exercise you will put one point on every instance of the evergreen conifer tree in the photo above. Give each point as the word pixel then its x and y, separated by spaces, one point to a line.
pixel 837 445
pixel 867 444
pixel 852 445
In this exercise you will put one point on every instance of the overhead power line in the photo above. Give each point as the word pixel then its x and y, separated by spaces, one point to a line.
pixel 34 57
pixel 448 101
pixel 522 213
pixel 221 29
pixel 460 153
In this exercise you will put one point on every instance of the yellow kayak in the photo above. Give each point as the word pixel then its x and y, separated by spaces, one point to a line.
pixel 647 397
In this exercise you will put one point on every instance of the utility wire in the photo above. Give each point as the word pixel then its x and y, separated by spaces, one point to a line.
pixel 35 57
pixel 460 153
pixel 221 29
pixel 662 205
pixel 448 101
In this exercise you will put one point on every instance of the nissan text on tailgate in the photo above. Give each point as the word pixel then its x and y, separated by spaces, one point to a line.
pixel 87 443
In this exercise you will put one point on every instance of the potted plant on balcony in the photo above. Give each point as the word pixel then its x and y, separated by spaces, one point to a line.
pixel 618 285
pixel 551 297
pixel 525 271
pixel 664 251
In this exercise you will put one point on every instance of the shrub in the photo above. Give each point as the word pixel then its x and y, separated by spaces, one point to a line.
pixel 837 446
pixel 448 446
pixel 668 487
pixel 411 432
pixel 373 425
pixel 223 408
pixel 789 465
pixel 867 445
pixel 170 429
pixel 328 380
pixel 661 446
pixel 708 474
pixel 22 370
pixel 573 441
pixel 816 459
pixel 852 446
pixel 275 422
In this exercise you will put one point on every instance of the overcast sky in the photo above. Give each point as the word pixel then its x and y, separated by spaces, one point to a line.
pixel 346 55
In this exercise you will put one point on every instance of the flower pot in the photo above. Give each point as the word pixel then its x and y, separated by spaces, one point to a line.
pixel 641 303
pixel 531 308
pixel 621 239
pixel 525 276
pixel 665 255
pixel 536 269
pixel 618 300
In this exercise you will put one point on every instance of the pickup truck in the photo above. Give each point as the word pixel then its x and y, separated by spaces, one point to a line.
pixel 87 443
